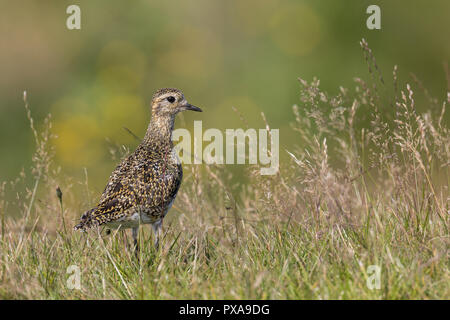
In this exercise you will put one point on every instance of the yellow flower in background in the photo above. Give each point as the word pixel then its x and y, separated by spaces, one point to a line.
pixel 296 29
pixel 79 141
pixel 84 128
pixel 118 111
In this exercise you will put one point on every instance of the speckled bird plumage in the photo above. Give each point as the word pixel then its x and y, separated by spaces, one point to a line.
pixel 143 186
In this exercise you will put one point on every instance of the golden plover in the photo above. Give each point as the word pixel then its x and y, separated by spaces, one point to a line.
pixel 144 185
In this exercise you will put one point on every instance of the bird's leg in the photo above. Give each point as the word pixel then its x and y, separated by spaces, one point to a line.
pixel 135 240
pixel 157 227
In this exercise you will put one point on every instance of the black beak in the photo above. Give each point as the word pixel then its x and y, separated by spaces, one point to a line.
pixel 191 107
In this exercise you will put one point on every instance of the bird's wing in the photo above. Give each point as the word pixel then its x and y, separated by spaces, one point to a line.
pixel 110 208
pixel 157 184
pixel 152 185
pixel 120 193
pixel 115 200
pixel 115 181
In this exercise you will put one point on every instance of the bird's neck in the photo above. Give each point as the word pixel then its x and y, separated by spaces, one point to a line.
pixel 159 132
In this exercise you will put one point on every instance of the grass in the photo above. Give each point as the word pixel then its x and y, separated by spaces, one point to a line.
pixel 368 185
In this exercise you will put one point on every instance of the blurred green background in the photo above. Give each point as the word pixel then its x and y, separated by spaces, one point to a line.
pixel 222 54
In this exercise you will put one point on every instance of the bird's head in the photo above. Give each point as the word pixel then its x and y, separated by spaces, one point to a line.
pixel 170 101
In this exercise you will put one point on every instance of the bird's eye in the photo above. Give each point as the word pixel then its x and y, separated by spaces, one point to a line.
pixel 171 99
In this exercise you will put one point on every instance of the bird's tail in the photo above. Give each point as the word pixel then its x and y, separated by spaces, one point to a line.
pixel 85 220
